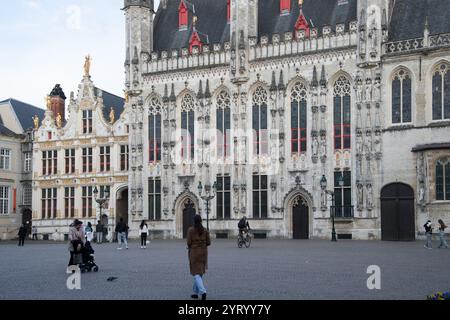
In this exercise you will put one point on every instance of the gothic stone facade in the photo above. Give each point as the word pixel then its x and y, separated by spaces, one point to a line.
pixel 267 98
pixel 326 91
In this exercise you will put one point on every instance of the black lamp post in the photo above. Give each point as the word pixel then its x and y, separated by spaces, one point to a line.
pixel 101 201
pixel 323 185
pixel 207 196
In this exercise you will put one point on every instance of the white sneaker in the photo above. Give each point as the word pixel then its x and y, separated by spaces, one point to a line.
pixel 142 247
pixel 119 248
pixel 145 247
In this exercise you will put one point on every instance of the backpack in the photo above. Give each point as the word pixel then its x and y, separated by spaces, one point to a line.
pixel 241 224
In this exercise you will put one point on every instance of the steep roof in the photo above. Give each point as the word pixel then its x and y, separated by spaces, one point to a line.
pixel 111 101
pixel 212 20
pixel 318 13
pixel 25 112
pixel 409 16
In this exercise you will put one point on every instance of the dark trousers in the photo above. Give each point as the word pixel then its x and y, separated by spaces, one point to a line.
pixel 21 241
pixel 143 239
pixel 35 236
pixel 71 259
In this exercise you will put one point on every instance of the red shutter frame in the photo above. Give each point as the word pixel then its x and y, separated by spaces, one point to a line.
pixel 182 15
pixel 285 6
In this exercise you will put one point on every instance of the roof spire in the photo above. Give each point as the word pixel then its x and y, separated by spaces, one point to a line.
pixel 166 94
pixel 281 85
pixel 200 90
pixel 314 82
pixel 323 78
pixel 173 98
pixel 207 92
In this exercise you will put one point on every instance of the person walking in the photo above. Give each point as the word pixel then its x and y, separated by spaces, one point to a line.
pixel 442 227
pixel 89 231
pixel 34 233
pixel 121 230
pixel 77 240
pixel 99 231
pixel 198 240
pixel 429 234
pixel 143 228
pixel 22 234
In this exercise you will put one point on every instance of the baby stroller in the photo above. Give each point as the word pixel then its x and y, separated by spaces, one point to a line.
pixel 88 260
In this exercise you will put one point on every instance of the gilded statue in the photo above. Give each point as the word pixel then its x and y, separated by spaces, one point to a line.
pixel 48 101
pixel 87 66
pixel 59 120
pixel 36 122
pixel 127 96
pixel 112 116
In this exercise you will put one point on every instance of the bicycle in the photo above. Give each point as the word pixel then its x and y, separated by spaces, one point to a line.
pixel 244 241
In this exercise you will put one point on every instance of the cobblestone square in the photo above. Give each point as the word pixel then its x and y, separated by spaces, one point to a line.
pixel 270 269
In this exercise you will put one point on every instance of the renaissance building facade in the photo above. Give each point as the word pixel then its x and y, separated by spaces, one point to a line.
pixel 295 114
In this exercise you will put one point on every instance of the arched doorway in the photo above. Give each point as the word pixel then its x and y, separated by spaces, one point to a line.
pixel 397 213
pixel 122 205
pixel 300 218
pixel 27 219
pixel 188 216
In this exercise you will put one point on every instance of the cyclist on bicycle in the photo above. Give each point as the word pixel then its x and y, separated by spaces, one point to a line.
pixel 243 226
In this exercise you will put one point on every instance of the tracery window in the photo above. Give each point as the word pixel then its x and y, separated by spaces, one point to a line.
pixel 223 120
pixel 342 114
pixel 401 97
pixel 259 122
pixel 188 127
pixel 443 179
pixel 441 92
pixel 154 130
pixel 299 133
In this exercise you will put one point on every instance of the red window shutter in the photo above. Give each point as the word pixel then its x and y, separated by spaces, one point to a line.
pixel 285 6
pixel 182 15
pixel 228 10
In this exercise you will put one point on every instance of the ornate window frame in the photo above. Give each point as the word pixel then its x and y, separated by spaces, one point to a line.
pixel 442 68
pixel 401 73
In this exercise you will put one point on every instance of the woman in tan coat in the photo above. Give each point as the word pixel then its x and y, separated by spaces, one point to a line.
pixel 198 241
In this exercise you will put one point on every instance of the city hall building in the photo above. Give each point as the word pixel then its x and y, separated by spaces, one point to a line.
pixel 299 115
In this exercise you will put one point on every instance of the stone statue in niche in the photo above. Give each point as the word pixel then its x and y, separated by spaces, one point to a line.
pixel 369 199
pixel 242 60
pixel 373 37
pixel 360 196
pixel 233 61
pixel 315 146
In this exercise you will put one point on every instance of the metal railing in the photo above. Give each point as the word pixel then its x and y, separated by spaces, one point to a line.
pixel 343 211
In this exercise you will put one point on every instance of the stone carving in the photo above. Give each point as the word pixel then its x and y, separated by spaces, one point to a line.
pixel 369 196
pixel 360 196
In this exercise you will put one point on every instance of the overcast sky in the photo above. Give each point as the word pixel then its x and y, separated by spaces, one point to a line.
pixel 44 42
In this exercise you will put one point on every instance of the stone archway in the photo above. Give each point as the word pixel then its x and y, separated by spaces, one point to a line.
pixel 122 205
pixel 186 206
pixel 299 214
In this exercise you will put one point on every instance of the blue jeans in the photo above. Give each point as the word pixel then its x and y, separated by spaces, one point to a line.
pixel 442 238
pixel 199 288
pixel 429 236
pixel 121 238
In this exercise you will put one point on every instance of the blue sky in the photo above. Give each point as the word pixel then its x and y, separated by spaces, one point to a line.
pixel 44 42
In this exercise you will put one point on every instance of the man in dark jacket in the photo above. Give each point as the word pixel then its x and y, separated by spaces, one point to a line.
pixel 99 231
pixel 243 225
pixel 429 234
pixel 121 230
pixel 22 234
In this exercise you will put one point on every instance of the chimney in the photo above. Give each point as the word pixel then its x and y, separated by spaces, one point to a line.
pixel 58 102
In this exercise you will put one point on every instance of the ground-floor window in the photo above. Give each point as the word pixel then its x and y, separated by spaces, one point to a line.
pixel 343 194
pixel 260 199
pixel 69 202
pixel 87 202
pixel 154 199
pixel 223 198
pixel 4 200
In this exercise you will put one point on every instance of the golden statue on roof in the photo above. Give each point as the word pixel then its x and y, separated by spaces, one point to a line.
pixel 59 120
pixel 112 116
pixel 48 102
pixel 87 66
pixel 36 122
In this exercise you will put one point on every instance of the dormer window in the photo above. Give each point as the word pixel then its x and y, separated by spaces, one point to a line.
pixel 182 16
pixel 285 7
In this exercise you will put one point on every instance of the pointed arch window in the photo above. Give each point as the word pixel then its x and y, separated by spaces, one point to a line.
pixel 299 120
pixel 154 130
pixel 441 92
pixel 188 127
pixel 223 120
pixel 342 114
pixel 259 122
pixel 401 98
pixel 443 179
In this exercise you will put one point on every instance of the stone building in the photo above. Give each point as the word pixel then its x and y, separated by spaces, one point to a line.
pixel 279 104
pixel 16 134
pixel 75 156
pixel 268 97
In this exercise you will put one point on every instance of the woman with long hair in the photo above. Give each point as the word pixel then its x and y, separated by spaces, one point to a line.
pixel 198 240
pixel 144 233
pixel 442 228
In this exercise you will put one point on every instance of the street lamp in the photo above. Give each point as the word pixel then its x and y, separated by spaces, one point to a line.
pixel 323 185
pixel 101 201
pixel 207 196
